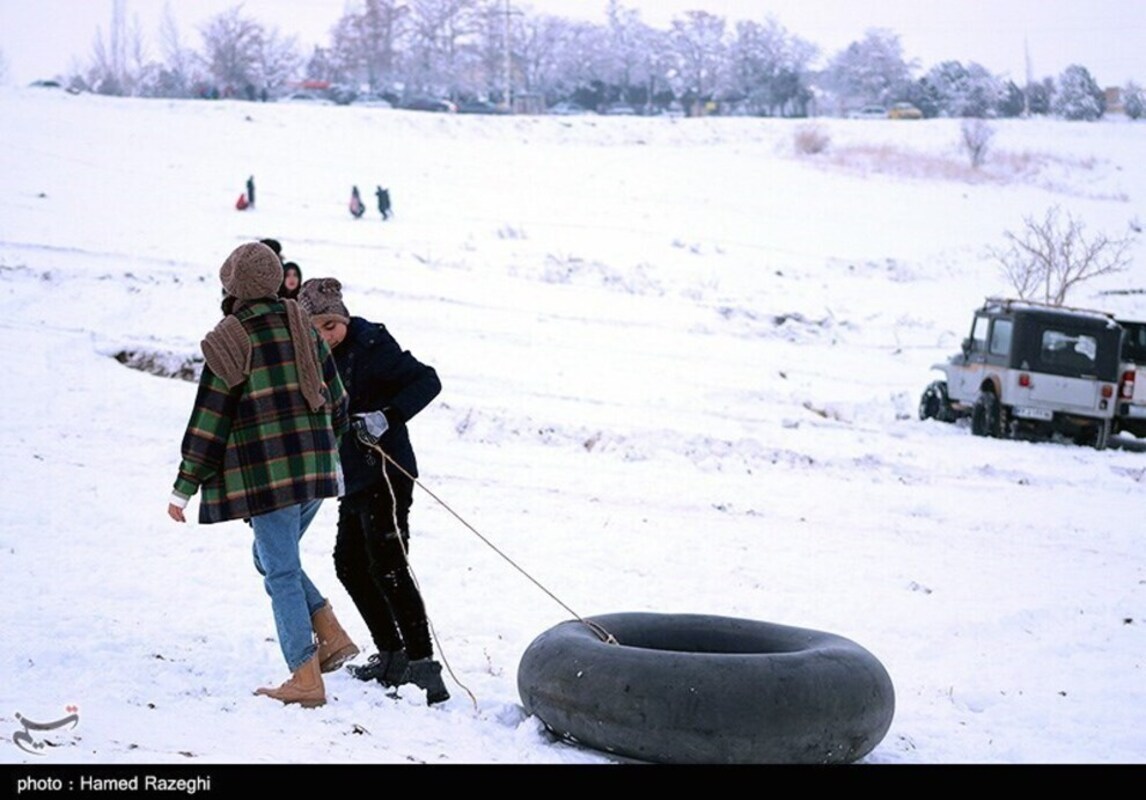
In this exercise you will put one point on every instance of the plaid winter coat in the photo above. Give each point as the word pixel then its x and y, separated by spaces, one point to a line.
pixel 258 447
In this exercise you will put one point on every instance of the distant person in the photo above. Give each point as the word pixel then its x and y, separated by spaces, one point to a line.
pixel 251 191
pixel 383 196
pixel 275 245
pixel 356 206
pixel 292 281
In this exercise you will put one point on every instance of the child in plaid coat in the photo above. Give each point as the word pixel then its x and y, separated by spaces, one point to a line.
pixel 262 445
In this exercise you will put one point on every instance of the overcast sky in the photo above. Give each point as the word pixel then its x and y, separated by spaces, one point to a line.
pixel 43 38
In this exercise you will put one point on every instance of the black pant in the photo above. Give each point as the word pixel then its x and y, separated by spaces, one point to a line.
pixel 370 561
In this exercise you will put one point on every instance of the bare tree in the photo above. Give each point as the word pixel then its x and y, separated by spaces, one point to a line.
pixel 232 44
pixel 1051 255
pixel 180 60
pixel 440 43
pixel 539 47
pixel 365 43
pixel 108 70
pixel 977 135
pixel 278 60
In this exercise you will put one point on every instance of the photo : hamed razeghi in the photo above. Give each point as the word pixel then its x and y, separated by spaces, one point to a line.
pixel 135 783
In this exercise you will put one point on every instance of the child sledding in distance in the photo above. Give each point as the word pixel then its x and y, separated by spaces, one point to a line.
pixel 383 196
pixel 357 208
pixel 247 199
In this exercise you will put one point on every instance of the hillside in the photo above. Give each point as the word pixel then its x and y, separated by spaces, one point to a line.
pixel 681 363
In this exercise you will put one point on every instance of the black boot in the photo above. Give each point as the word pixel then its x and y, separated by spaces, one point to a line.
pixel 426 674
pixel 388 667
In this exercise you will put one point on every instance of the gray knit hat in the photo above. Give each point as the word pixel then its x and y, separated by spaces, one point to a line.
pixel 321 298
pixel 251 272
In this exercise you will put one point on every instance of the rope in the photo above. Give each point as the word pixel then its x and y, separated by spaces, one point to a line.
pixel 414 576
pixel 600 632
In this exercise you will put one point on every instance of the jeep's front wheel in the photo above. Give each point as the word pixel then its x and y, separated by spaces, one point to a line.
pixel 934 404
pixel 985 415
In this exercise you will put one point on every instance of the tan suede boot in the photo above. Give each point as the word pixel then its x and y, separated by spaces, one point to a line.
pixel 334 645
pixel 304 687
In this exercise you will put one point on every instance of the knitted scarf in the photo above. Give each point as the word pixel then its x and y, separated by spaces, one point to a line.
pixel 227 350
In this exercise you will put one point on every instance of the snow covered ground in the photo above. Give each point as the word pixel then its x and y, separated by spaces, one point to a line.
pixel 681 364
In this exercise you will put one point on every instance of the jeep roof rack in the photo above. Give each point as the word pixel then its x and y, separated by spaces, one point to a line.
pixel 1010 303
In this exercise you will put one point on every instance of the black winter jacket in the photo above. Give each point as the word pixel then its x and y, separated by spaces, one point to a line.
pixel 380 376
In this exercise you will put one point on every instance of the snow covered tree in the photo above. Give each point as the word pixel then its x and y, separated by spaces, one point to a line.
pixel 1013 102
pixel 1134 101
pixel 579 64
pixel 1040 96
pixel 964 91
pixel 869 71
pixel 697 42
pixel 924 95
pixel 1079 97
pixel 769 66
pixel 664 79
pixel 626 54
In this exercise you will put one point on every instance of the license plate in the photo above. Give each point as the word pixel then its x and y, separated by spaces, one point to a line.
pixel 1034 413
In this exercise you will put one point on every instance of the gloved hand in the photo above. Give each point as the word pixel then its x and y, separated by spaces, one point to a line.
pixel 370 426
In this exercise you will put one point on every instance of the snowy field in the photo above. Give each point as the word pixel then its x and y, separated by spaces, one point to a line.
pixel 681 365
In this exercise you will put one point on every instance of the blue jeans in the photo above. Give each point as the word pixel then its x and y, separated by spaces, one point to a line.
pixel 293 597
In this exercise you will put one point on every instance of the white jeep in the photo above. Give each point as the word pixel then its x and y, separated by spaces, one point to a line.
pixel 1032 370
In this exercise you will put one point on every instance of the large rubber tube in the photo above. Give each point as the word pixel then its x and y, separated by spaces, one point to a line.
pixel 699 689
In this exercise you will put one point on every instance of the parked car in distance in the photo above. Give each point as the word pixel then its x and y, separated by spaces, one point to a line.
pixel 307 97
pixel 869 112
pixel 904 111
pixel 567 108
pixel 430 104
pixel 1030 370
pixel 479 107
pixel 620 110
pixel 372 100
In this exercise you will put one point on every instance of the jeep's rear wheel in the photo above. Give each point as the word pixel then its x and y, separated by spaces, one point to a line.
pixel 1102 435
pixel 985 415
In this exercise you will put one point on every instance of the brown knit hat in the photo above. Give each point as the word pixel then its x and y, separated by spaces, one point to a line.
pixel 321 298
pixel 251 272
